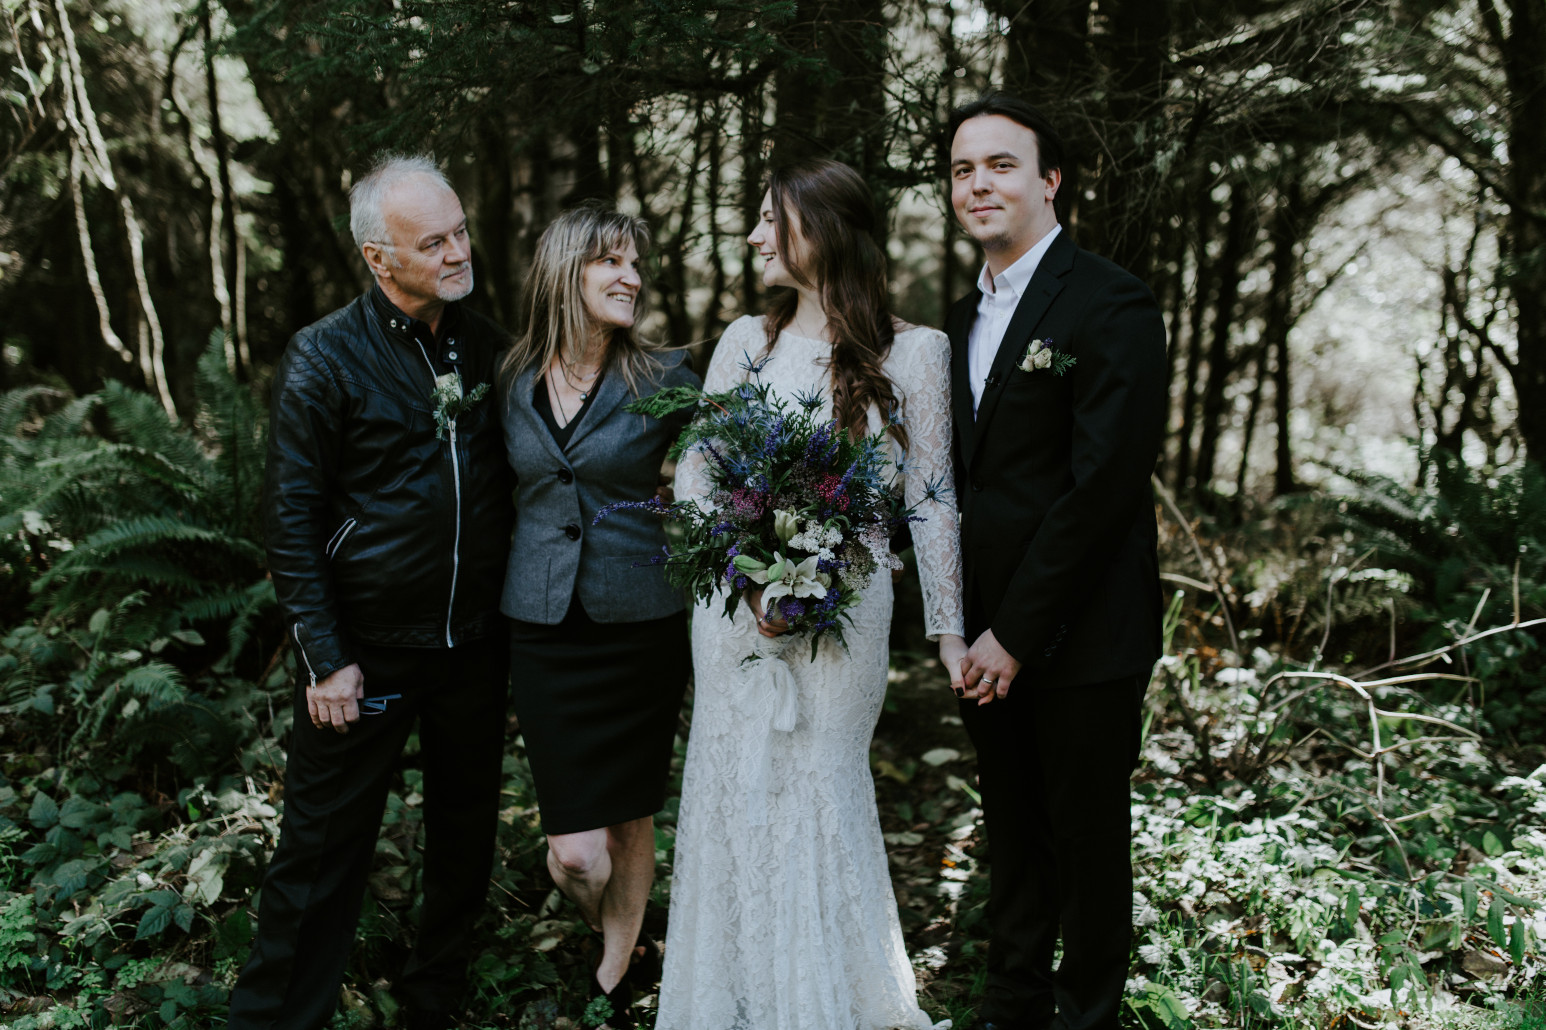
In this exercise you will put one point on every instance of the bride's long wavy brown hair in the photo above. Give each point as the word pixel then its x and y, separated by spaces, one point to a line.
pixel 835 215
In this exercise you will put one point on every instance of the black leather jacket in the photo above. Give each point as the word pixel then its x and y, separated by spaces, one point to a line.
pixel 377 531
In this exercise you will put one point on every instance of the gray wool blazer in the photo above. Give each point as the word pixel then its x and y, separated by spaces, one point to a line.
pixel 612 456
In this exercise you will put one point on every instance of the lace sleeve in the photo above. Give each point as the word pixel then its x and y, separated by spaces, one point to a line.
pixel 724 372
pixel 923 372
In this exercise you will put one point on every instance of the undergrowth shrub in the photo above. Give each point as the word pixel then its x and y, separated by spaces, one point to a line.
pixel 1471 548
pixel 138 687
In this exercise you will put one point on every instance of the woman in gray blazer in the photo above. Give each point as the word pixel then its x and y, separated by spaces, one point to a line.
pixel 598 638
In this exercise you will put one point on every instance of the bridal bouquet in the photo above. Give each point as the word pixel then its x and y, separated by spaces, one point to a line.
pixel 797 506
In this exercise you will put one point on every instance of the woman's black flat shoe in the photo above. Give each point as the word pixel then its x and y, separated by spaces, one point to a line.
pixel 618 1005
pixel 645 969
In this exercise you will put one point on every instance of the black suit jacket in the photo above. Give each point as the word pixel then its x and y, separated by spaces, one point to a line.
pixel 1058 525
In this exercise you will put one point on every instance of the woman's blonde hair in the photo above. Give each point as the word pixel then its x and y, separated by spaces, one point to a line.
pixel 553 301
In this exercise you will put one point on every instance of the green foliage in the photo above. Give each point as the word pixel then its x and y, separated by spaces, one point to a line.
pixel 131 664
pixel 140 542
pixel 1473 548
pixel 506 58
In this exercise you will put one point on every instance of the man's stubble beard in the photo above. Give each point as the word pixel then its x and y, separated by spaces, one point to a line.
pixel 999 241
pixel 447 292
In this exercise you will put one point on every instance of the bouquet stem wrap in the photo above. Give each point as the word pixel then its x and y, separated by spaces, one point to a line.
pixel 773 680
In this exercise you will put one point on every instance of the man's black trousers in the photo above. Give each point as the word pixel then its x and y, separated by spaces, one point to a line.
pixel 1053 766
pixel 335 791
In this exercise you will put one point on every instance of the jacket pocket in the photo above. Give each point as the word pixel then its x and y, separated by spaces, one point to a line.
pixel 342 533
pixel 638 590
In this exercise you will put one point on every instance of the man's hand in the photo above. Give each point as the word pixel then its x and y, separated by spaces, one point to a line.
pixel 768 626
pixel 335 701
pixel 952 655
pixel 989 669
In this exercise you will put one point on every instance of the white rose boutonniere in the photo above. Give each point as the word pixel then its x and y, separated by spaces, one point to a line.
pixel 449 400
pixel 1040 355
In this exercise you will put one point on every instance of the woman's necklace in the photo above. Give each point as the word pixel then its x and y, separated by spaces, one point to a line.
pixel 583 387
pixel 558 400
pixel 571 373
pixel 795 328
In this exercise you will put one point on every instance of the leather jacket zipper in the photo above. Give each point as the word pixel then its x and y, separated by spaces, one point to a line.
pixel 456 545
pixel 456 479
pixel 301 650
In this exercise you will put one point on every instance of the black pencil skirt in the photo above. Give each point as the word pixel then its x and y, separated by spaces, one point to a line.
pixel 598 704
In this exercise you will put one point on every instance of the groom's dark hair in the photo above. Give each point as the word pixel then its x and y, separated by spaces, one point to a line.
pixel 1049 145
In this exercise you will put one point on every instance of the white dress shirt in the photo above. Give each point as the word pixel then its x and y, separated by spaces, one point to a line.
pixel 1000 296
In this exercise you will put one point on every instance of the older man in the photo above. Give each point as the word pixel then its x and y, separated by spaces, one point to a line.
pixel 388 520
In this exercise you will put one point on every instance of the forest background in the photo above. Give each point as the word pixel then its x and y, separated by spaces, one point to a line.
pixel 1340 205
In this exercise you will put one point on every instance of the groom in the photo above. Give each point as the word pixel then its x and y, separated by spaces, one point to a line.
pixel 1058 385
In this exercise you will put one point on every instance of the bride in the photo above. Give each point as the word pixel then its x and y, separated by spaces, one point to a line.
pixel 782 913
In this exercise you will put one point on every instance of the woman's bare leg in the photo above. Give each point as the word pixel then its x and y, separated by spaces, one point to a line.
pixel 608 875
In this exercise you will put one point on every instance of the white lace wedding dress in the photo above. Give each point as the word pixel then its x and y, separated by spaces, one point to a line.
pixel 782 914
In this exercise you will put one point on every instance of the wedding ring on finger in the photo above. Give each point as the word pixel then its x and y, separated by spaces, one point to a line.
pixel 987 682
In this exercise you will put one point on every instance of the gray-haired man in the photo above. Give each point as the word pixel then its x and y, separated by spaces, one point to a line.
pixel 388 518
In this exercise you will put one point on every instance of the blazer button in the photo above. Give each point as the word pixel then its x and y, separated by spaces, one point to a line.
pixel 976 487
pixel 572 531
pixel 565 476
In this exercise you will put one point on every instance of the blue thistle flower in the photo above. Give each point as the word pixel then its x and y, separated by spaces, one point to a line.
pixel 809 401
pixel 938 489
pixel 754 366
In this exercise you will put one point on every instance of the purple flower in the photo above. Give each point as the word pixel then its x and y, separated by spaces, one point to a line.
pixel 791 608
pixel 654 505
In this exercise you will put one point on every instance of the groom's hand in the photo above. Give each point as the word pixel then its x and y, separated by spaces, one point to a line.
pixel 988 669
pixel 335 701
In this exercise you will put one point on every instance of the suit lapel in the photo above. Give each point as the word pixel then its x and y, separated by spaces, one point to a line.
pixel 520 396
pixel 1040 292
pixel 613 387
pixel 958 326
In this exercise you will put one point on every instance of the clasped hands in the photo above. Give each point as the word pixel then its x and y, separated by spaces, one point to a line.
pixel 983 671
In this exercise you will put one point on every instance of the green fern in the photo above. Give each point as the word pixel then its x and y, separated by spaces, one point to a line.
pixel 137 535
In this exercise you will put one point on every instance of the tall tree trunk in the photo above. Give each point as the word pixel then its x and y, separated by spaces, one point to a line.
pixel 1248 434
pixel 1239 235
pixel 231 264
pixel 1522 45
pixel 674 248
pixel 1202 288
pixel 495 241
pixel 1136 50
pixel 832 103
pixel 1047 60
pixel 713 315
pixel 752 188
pixel 1285 230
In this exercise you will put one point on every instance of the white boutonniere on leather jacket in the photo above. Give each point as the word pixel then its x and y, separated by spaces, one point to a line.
pixel 449 400
pixel 1040 355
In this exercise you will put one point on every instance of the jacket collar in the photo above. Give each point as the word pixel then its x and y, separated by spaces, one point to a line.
pixel 614 387
pixel 448 349
pixel 1043 288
